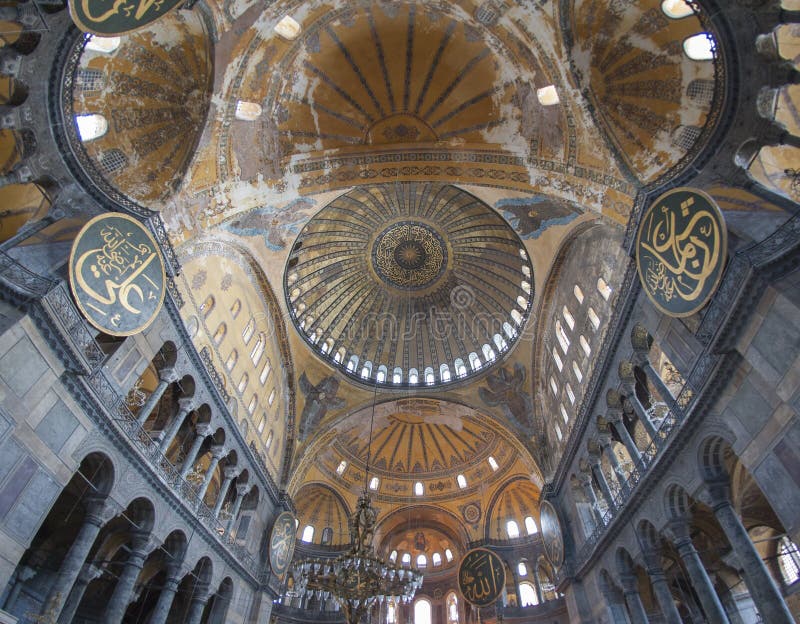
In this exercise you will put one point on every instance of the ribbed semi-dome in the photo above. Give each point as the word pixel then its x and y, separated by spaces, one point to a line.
pixel 409 284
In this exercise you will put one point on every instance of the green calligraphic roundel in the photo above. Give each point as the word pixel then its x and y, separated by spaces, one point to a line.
pixel 481 577
pixel 281 543
pixel 108 18
pixel 552 537
pixel 681 248
pixel 116 274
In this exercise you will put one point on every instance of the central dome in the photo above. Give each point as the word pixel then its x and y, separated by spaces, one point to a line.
pixel 409 284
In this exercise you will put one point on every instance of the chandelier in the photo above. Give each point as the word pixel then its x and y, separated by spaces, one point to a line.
pixel 358 579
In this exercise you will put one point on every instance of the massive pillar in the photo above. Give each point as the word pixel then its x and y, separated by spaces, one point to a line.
pixel 123 591
pixel 167 595
pixel 89 572
pixel 661 589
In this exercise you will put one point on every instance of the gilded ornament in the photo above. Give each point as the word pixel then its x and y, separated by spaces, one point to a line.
pixel 108 18
pixel 481 577
pixel 281 543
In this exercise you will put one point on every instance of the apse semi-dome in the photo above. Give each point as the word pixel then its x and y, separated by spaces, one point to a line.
pixel 409 284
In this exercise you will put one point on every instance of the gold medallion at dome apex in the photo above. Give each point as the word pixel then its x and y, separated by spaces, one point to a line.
pixel 409 255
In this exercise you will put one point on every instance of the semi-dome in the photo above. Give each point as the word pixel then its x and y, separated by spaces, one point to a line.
pixel 409 284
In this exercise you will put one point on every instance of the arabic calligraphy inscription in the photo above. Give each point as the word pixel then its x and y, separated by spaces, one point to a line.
pixel 481 577
pixel 681 249
pixel 281 543
pixel 116 17
pixel 552 538
pixel 117 274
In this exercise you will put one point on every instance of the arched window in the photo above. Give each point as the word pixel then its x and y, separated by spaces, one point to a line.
pixel 243 382
pixel 249 330
pixel 578 293
pixel 352 363
pixel 526 271
pixel 261 423
pixel 526 287
pixel 462 481
pixel 271 398
pixel 530 525
pixel 568 317
pixel 429 378
pixel 516 317
pixel 366 370
pixel 522 569
pixel 512 529
pixel 570 394
pixel 236 307
pixel 700 47
pixel 406 559
pixel 676 9
pixel 413 377
pixel 522 302
pixel 327 346
pixel 461 370
pixel 247 111
pixel 419 488
pixel 500 342
pixel 557 359
pixel 557 429
pixel 232 359
pixel 603 288
pixel 382 372
pixel 563 412
pixel 474 361
pixel 448 554
pixel 393 556
pixel 341 468
pixel 488 353
pixel 452 608
pixel 308 533
pixel 593 318
pixel 91 126
pixel 422 611
pixel 327 535
pixel 265 372
pixel 493 463
pixel 258 349
pixel 585 346
pixel 788 560
pixel 251 407
pixel 444 372
pixel 437 559
pixel 553 385
pixel 106 45
pixel 207 306
pixel 391 612
pixel 508 330
pixel 527 594
pixel 374 482
pixel 219 335
pixel 422 561
pixel 562 337
pixel 523 254
pixel 577 370
pixel 397 375
pixel 268 442
pixel 339 355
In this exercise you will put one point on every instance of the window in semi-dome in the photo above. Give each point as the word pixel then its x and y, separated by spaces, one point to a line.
pixel 500 342
pixel 522 569
pixel 366 370
pixel 509 330
pixel 585 346
pixel 88 80
pixel 474 361
pixel 397 375
pixel 530 525
pixel 563 413
pixel 578 294
pixel 251 407
pixel 393 556
pixel 219 335
pixel 577 371
pixel 603 288
pixel 308 533
pixel 243 381
pixel 448 554
pixel 341 468
pixel 413 376
pixel 516 317
pixel 553 385
pixel 488 353
pixel 271 398
pixel 568 317
pixel 268 442
pixel 339 357
pixel 249 330
pixel 570 394
pixel 288 28
pixel 526 287
pixel 326 346
pixel 493 463
pixel 462 481
pixel 236 307
pixel 452 608
pixel 207 306
pixel 91 126
pixel 700 47
pixel 461 369
pixel 382 372
pixel 230 363
pixel 527 595
pixel 106 45
pixel 422 561
pixel 112 161
pixel 436 559
pixel 526 270
pixel 429 377
pixel 547 96
pixel 557 359
pixel 258 349
pixel 265 372
pixel 374 482
pixel 327 536
pixel 406 559
pixel 561 335
pixel 522 302
pixel 444 372
pixel 557 429
pixel 261 423
pixel 593 318
pixel 419 488
pixel 352 363
pixel 512 529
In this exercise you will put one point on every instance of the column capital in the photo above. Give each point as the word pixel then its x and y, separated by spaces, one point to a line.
pixel 243 488
pixel 230 472
pixel 629 582
pixel 217 451
pixel 141 543
pixel 89 572
pixel 203 429
pixel 187 404
pixel 98 511
pixel 679 530
pixel 719 491
pixel 614 415
pixel 168 374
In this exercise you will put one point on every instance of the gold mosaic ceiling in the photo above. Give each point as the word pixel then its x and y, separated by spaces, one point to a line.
pixel 409 284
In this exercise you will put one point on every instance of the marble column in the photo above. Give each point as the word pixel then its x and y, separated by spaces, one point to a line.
pixel 241 492
pixel 217 453
pixel 608 451
pixel 185 406
pixel 167 595
pixel 89 572
pixel 165 377
pixel 537 584
pixel 709 601
pixel 763 590
pixel 641 414
pixel 229 473
pixel 630 589
pixel 123 591
pixel 616 421
pixel 597 470
pixel 24 573
pixel 643 361
pixel 71 564
pixel 197 605
pixel 658 580
pixel 729 602
pixel 201 432
pixel 586 482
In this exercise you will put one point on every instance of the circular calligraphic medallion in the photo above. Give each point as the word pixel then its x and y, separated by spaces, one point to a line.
pixel 108 18
pixel 281 542
pixel 481 577
pixel 116 274
pixel 409 255
pixel 552 538
pixel 681 248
